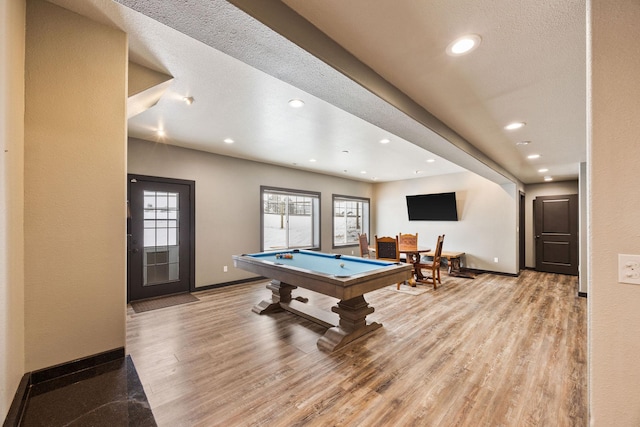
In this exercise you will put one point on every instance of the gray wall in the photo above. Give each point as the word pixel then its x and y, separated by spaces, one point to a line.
pixel 531 192
pixel 487 225
pixel 486 209
pixel 12 102
pixel 613 205
pixel 74 186
pixel 228 201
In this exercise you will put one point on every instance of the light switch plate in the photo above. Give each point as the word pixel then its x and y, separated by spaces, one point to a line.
pixel 629 269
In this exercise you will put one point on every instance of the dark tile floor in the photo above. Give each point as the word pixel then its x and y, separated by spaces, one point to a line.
pixel 106 395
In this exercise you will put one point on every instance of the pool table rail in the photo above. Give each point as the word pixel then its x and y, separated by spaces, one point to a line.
pixel 327 284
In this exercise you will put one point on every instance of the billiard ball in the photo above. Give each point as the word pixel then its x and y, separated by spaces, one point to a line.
pixel 342 265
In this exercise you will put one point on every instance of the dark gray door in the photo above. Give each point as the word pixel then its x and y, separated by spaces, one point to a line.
pixel 161 237
pixel 556 233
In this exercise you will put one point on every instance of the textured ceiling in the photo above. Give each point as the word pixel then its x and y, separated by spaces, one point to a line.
pixel 530 67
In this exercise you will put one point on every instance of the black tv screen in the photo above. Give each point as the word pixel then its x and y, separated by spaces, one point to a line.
pixel 432 207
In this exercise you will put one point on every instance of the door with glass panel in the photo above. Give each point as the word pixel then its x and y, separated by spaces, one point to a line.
pixel 160 237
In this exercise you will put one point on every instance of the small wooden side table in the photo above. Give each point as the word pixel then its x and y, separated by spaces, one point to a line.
pixel 453 262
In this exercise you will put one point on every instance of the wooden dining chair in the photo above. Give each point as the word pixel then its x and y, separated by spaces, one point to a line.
pixel 364 245
pixel 388 249
pixel 434 266
pixel 409 241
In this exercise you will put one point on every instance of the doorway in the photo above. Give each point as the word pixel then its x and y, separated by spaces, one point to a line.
pixel 161 237
pixel 556 233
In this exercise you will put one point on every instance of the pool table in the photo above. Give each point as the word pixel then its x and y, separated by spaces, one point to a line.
pixel 346 278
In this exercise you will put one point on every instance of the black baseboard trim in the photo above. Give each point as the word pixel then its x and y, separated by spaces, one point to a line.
pixel 582 294
pixel 225 284
pixel 18 405
pixel 76 366
pixel 499 273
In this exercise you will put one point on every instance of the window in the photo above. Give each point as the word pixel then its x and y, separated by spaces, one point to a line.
pixel 350 217
pixel 161 246
pixel 290 219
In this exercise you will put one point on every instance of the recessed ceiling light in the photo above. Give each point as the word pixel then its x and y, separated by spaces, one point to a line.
pixel 533 156
pixel 548 178
pixel 523 142
pixel 464 45
pixel 385 141
pixel 363 172
pixel 312 160
pixel 514 125
pixel 431 160
pixel 228 141
pixel 543 170
pixel 418 172
pixel 161 132
pixel 188 100
pixel 296 103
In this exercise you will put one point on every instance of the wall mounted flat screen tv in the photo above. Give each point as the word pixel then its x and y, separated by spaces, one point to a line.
pixel 432 207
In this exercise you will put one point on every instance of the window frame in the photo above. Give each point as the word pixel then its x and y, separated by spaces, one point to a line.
pixel 365 227
pixel 315 214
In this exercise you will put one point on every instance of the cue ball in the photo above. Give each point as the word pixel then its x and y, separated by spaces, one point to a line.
pixel 342 264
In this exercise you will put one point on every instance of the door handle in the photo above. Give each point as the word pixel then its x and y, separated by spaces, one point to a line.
pixel 134 250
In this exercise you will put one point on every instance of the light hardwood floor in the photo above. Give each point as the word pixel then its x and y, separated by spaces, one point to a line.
pixel 492 351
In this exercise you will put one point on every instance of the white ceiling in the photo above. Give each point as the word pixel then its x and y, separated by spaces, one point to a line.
pixel 530 67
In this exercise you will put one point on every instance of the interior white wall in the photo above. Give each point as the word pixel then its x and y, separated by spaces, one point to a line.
pixel 12 48
pixel 228 201
pixel 531 192
pixel 486 211
pixel 614 203
pixel 74 181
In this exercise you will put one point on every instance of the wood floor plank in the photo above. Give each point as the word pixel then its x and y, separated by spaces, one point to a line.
pixel 492 351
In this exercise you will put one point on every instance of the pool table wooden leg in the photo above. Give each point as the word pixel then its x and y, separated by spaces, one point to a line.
pixel 352 325
pixel 280 292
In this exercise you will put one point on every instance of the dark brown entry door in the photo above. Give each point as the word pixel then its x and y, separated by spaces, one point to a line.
pixel 160 241
pixel 556 232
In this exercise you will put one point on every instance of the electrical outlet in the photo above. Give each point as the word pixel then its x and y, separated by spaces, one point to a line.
pixel 225 269
pixel 629 269
pixel 352 252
